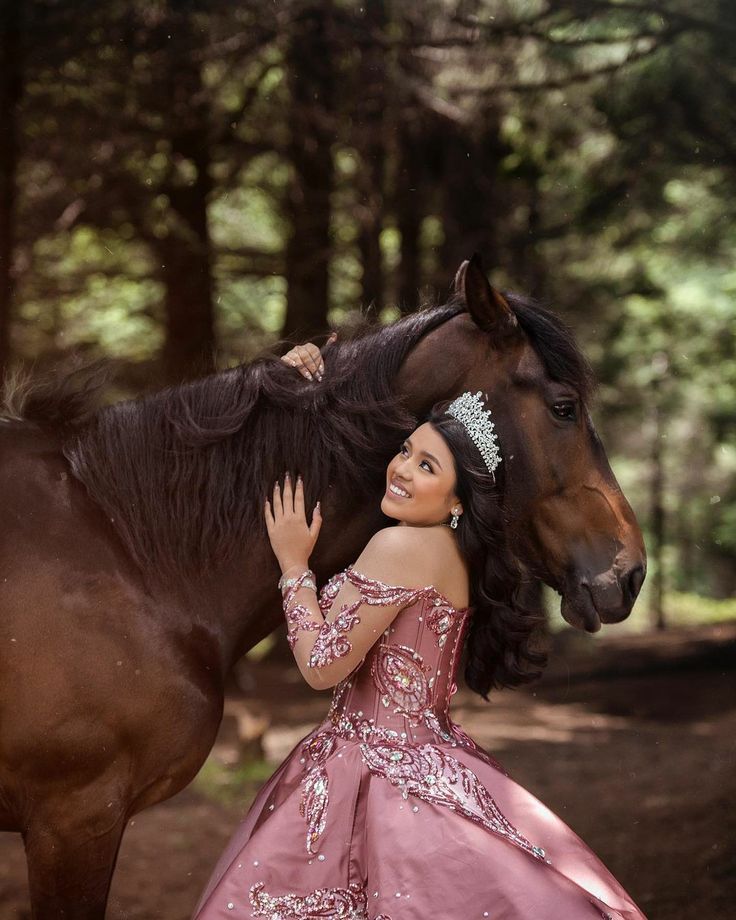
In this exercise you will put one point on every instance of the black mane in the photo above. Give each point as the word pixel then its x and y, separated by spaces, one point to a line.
pixel 554 342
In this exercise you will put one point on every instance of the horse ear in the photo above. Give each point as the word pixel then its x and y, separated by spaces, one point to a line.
pixel 488 307
pixel 458 285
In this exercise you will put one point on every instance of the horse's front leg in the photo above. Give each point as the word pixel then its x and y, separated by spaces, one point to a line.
pixel 71 846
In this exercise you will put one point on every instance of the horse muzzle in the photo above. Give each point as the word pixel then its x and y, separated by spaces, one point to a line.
pixel 587 603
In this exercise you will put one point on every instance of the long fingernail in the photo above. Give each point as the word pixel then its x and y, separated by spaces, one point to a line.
pixel 308 375
pixel 286 475
pixel 321 368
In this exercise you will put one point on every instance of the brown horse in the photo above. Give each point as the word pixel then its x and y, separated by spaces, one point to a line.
pixel 135 569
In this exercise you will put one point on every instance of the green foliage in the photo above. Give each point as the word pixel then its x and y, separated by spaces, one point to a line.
pixel 232 785
pixel 154 167
pixel 685 609
pixel 92 292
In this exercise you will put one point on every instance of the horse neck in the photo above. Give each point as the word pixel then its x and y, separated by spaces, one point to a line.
pixel 435 367
pixel 222 615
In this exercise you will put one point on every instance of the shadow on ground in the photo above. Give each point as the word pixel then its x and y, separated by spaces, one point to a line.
pixel 631 740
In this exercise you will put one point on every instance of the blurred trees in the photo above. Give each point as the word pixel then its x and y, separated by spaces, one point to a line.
pixel 311 59
pixel 186 178
pixel 11 90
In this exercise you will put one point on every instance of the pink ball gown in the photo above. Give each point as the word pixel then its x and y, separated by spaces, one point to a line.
pixel 387 810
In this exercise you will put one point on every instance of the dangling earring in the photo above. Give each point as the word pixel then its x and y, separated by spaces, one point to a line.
pixel 455 519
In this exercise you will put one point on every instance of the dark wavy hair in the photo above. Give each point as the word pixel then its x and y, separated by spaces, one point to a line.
pixel 500 646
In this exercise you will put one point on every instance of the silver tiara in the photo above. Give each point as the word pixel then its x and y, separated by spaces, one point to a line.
pixel 470 412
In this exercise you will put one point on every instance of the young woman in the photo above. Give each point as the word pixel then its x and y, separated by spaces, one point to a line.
pixel 387 810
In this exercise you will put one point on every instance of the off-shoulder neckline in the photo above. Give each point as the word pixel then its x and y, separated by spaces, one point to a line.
pixel 435 591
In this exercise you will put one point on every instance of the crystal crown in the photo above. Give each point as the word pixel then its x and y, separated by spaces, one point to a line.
pixel 469 410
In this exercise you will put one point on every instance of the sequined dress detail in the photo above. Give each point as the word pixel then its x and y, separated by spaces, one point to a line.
pixel 387 810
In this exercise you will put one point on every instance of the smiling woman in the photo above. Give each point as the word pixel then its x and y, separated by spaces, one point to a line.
pixel 345 826
pixel 421 479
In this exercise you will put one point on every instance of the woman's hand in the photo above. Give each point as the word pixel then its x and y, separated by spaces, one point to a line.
pixel 307 359
pixel 292 539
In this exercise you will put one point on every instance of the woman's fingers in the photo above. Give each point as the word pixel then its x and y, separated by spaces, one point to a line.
pixel 312 358
pixel 288 495
pixel 299 499
pixel 278 505
pixel 307 358
pixel 295 357
pixel 268 515
pixel 302 361
pixel 316 521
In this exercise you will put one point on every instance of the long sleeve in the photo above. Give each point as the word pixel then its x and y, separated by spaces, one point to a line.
pixel 330 636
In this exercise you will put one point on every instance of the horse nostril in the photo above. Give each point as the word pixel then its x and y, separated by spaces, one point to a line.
pixel 636 579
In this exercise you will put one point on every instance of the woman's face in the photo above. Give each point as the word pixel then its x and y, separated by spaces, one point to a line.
pixel 421 479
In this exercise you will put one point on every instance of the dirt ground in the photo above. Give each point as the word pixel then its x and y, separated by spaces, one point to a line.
pixel 631 740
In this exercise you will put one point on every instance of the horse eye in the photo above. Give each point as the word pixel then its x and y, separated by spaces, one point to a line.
pixel 564 410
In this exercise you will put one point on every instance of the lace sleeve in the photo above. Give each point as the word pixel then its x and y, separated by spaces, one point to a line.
pixel 378 593
pixel 334 634
pixel 331 642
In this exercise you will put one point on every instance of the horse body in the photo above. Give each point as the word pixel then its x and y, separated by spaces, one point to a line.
pixel 106 701
pixel 111 689
pixel 112 671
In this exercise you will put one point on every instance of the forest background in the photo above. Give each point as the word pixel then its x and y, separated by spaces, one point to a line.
pixel 184 182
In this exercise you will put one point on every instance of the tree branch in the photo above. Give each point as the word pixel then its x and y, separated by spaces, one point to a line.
pixel 558 83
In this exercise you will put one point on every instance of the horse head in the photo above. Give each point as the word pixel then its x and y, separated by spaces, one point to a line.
pixel 568 522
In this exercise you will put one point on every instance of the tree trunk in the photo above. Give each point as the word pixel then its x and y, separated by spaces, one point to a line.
pixel 186 259
pixel 524 260
pixel 472 207
pixel 535 276
pixel 311 84
pixel 409 213
pixel 11 90
pixel 656 547
pixel 189 349
pixel 373 155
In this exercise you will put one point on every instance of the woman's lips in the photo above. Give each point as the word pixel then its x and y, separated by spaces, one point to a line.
pixel 394 495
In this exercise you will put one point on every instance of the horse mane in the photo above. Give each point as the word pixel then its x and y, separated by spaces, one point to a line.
pixel 183 473
pixel 65 397
pixel 555 345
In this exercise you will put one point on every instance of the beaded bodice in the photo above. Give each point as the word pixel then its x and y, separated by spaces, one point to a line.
pixel 405 682
pixel 395 707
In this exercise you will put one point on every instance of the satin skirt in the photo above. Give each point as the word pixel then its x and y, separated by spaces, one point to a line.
pixel 373 833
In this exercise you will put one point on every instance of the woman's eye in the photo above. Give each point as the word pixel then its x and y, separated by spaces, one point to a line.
pixel 565 410
pixel 429 465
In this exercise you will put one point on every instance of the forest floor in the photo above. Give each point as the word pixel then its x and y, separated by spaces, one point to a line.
pixel 630 739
